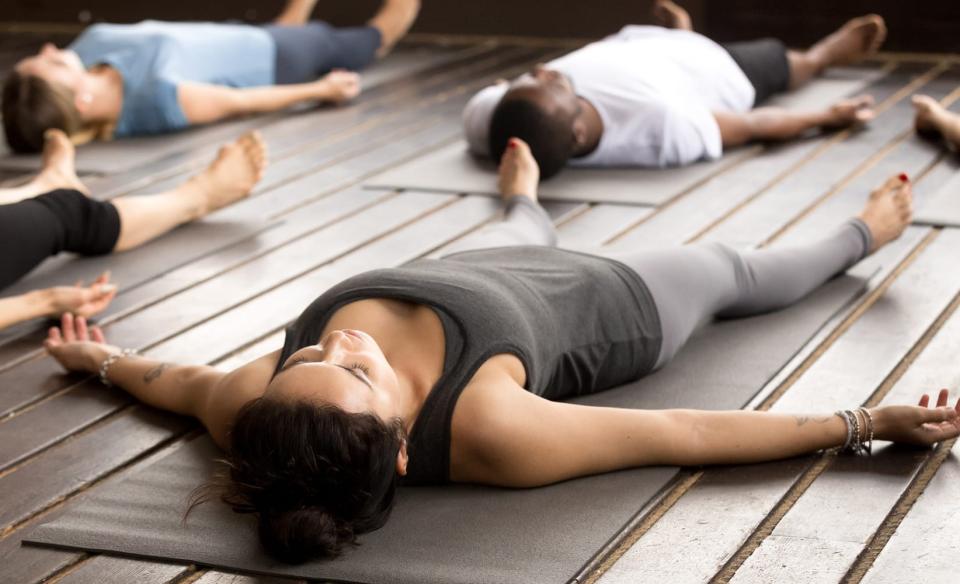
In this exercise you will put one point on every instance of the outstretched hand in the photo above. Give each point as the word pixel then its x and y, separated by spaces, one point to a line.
pixel 82 300
pixel 920 425
pixel 76 346
pixel 851 111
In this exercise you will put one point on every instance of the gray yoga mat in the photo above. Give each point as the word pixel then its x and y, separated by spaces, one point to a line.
pixel 458 534
pixel 452 169
pixel 943 207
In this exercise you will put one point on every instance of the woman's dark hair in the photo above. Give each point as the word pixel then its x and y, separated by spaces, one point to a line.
pixel 549 136
pixel 31 106
pixel 316 476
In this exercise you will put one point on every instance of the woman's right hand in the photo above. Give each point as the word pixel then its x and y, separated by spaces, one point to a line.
pixel 77 347
pixel 919 425
pixel 82 300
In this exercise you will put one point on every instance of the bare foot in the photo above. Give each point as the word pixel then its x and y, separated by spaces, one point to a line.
pixel 339 86
pixel 519 174
pixel 58 170
pixel 669 15
pixel 847 112
pixel 888 211
pixel 393 21
pixel 854 41
pixel 237 169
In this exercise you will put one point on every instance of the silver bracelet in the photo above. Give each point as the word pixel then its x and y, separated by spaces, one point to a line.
pixel 846 421
pixel 869 422
pixel 109 361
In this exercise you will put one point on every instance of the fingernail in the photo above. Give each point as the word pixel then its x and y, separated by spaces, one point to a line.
pixel 511 143
pixel 104 288
pixel 904 177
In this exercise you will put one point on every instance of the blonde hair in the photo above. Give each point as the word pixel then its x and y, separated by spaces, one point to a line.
pixel 31 106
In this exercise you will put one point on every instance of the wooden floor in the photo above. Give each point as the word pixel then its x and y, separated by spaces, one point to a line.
pixel 220 292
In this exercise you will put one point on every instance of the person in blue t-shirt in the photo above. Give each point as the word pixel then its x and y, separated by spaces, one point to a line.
pixel 154 77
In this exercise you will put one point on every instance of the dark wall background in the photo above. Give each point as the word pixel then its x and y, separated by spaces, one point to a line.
pixel 917 25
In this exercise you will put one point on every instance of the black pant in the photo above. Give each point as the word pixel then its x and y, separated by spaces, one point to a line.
pixel 766 65
pixel 63 220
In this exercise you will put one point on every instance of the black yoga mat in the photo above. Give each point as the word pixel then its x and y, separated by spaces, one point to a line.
pixel 460 534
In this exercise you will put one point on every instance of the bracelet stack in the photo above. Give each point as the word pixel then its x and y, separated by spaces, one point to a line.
pixel 859 431
pixel 109 361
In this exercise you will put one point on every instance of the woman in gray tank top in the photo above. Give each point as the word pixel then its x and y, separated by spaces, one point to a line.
pixel 452 370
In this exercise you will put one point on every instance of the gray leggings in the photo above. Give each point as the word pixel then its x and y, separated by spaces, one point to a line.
pixel 691 284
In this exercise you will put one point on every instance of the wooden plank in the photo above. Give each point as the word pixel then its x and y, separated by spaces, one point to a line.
pixel 777 207
pixel 924 541
pixel 726 542
pixel 581 231
pixel 223 578
pixel 69 467
pixel 106 569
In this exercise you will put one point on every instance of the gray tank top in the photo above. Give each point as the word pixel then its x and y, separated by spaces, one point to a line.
pixel 578 323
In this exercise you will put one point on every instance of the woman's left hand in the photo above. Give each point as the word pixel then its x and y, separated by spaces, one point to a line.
pixel 77 347
pixel 919 425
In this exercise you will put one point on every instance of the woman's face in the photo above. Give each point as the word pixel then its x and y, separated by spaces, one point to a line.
pixel 59 67
pixel 346 369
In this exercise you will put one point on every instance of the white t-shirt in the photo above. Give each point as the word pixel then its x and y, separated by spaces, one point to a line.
pixel 655 90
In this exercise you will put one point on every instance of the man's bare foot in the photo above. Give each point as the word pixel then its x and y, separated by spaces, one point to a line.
pixel 847 112
pixel 519 174
pixel 58 170
pixel 854 41
pixel 888 211
pixel 669 15
pixel 936 121
pixel 393 21
pixel 237 169
pixel 338 86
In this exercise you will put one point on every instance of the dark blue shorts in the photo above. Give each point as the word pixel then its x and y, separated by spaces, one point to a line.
pixel 312 50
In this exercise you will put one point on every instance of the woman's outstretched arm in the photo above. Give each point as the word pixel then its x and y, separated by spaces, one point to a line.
pixel 52 302
pixel 518 439
pixel 203 103
pixel 210 395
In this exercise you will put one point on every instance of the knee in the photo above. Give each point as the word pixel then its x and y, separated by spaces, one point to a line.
pixel 86 226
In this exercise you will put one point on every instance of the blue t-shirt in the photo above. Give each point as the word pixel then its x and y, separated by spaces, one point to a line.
pixel 154 57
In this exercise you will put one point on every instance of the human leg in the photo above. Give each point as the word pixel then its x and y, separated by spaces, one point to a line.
pixel 393 21
pixel 236 170
pixel 933 118
pixel 58 171
pixel 856 40
pixel 695 283
pixel 524 221
pixel 62 220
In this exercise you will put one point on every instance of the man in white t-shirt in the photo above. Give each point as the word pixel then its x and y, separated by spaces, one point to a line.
pixel 657 96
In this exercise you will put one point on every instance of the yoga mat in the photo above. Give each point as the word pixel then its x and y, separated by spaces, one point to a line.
pixel 943 208
pixel 452 169
pixel 458 534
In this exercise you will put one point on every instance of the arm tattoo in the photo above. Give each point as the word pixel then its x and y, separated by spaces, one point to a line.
pixel 155 372
pixel 801 420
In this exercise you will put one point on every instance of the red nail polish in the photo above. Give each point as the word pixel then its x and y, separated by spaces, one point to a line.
pixel 511 144
pixel 904 177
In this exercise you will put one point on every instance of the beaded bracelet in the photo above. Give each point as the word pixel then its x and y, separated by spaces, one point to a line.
pixel 109 361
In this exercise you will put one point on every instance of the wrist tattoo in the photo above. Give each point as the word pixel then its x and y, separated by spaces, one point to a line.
pixel 801 420
pixel 155 372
